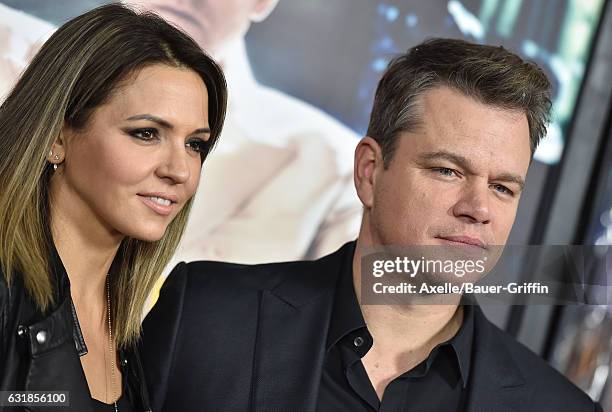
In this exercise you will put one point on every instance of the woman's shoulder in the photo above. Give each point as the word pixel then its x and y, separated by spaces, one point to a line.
pixel 4 283
pixel 5 293
pixel 8 289
pixel 3 288
pixel 4 302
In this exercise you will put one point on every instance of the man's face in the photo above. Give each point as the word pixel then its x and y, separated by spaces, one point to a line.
pixel 212 23
pixel 454 181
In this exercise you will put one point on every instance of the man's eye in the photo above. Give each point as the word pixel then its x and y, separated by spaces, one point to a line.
pixel 144 134
pixel 445 171
pixel 503 189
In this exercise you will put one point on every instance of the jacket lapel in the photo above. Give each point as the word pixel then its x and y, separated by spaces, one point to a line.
pixel 293 320
pixel 496 383
pixel 54 363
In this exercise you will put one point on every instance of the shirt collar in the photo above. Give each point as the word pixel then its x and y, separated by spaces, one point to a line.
pixel 346 314
pixel 346 317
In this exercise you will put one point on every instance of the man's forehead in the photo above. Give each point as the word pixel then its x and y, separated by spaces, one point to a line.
pixel 455 123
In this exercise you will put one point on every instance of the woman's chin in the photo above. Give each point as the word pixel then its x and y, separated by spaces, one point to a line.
pixel 148 234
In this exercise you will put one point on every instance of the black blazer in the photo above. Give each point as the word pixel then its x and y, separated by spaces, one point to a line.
pixel 30 363
pixel 228 337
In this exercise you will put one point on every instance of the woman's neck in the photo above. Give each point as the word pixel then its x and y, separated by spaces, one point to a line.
pixel 86 248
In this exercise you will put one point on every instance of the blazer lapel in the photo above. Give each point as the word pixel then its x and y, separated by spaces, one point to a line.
pixel 293 321
pixel 496 383
pixel 292 324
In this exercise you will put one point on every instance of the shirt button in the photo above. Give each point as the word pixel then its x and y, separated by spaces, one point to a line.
pixel 358 341
pixel 41 337
pixel 21 331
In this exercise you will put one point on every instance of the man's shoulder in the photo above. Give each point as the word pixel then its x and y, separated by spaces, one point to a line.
pixel 548 386
pixel 233 275
pixel 200 277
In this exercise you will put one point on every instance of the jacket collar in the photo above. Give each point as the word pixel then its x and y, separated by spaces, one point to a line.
pixel 320 276
pixel 62 294
pixel 130 362
pixel 299 352
pixel 304 298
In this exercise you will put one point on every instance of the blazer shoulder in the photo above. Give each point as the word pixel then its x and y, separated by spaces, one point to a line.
pixel 260 276
pixel 295 282
pixel 194 280
pixel 550 388
pixel 219 275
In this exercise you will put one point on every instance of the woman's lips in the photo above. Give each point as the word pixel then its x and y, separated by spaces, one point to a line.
pixel 163 210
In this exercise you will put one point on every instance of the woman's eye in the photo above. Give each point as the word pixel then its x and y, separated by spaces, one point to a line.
pixel 198 145
pixel 144 134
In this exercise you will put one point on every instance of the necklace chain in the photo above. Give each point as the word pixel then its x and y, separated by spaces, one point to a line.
pixel 110 341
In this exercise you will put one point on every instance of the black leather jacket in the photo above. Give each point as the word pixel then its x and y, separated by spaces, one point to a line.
pixel 40 352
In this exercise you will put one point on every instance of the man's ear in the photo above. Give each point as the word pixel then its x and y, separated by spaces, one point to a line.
pixel 262 10
pixel 368 164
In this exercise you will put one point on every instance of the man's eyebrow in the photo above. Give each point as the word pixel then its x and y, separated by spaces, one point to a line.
pixel 451 157
pixel 465 163
pixel 512 178
pixel 164 123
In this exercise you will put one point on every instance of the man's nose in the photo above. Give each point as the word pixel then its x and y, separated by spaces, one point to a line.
pixel 473 203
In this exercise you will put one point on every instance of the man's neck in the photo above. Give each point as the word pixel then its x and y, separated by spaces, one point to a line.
pixel 404 338
pixel 406 328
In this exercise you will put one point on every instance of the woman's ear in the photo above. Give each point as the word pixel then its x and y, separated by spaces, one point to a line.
pixel 57 153
pixel 262 10
pixel 368 163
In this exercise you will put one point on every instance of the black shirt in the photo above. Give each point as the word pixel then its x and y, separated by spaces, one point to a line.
pixel 436 384
pixel 123 403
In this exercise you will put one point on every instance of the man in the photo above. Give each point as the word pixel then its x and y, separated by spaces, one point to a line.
pixel 452 133
pixel 259 199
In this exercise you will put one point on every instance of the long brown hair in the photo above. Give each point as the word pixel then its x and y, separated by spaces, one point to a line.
pixel 76 71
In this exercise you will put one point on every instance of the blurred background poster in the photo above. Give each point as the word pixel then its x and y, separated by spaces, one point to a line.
pixel 301 78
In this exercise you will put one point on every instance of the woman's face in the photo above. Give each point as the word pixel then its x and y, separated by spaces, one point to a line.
pixel 137 161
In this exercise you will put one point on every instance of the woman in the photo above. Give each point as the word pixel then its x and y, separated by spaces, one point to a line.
pixel 101 143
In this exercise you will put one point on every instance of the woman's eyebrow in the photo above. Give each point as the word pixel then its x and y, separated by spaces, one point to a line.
pixel 164 123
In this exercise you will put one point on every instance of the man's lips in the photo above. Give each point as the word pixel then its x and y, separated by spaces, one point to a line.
pixel 467 240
